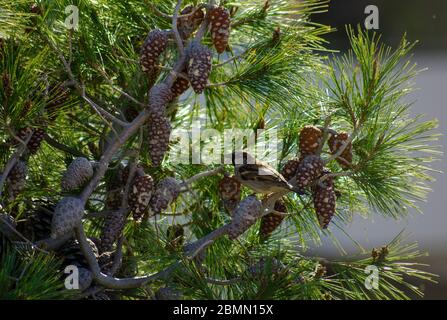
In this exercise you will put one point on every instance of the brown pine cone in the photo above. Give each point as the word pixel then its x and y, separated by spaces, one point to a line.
pixel 155 44
pixel 40 220
pixel 179 86
pixel 272 221
pixel 335 143
pixel 114 224
pixel 290 168
pixel 230 193
pixel 16 179
pixel 187 25
pixel 159 96
pixel 309 170
pixel 165 193
pixel 34 142
pixel 140 194
pixel 324 201
pixel 159 132
pixel 123 174
pixel 220 28
pixel 199 66
pixel 310 139
pixel 229 187
pixel 72 254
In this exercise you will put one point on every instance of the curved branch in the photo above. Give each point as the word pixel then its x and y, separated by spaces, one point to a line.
pixel 177 37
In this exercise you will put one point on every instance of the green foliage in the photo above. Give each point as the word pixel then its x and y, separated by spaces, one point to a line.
pixel 368 85
pixel 276 75
pixel 30 276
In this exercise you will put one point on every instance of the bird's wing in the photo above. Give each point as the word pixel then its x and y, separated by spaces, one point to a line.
pixel 266 174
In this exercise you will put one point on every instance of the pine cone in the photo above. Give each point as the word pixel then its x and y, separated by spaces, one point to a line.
pixel 114 199
pixel 35 141
pixel 199 66
pixel 271 221
pixel 106 262
pixel 245 215
pixel 159 96
pixel 85 278
pixel 72 254
pixel 159 132
pixel 40 221
pixel 165 193
pixel 230 193
pixel 308 171
pixel 155 44
pixel 335 143
pixel 290 168
pixel 324 202
pixel 220 28
pixel 114 224
pixel 123 174
pixel 229 187
pixel 16 179
pixel 310 139
pixel 140 194
pixel 187 25
pixel 179 86
pixel 67 214
pixel 77 174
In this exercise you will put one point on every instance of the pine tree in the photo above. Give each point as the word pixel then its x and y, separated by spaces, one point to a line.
pixel 77 88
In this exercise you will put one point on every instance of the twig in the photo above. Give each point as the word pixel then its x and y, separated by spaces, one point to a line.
pixel 21 236
pixel 219 84
pixel 52 142
pixel 102 112
pixel 325 130
pixel 193 249
pixel 335 174
pixel 177 37
pixel 342 147
pixel 123 93
pixel 128 131
pixel 118 256
pixel 225 282
pixel 108 281
pixel 169 17
pixel 80 89
pixel 239 56
pixel 12 162
pixel 201 175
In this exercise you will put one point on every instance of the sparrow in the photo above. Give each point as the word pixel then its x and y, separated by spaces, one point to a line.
pixel 257 175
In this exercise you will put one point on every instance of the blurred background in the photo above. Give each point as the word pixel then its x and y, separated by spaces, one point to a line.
pixel 426 21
